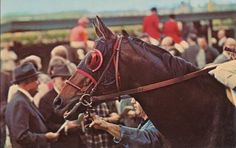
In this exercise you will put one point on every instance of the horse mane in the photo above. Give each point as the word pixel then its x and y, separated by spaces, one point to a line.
pixel 176 66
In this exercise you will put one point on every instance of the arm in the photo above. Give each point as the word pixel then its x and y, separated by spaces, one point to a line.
pixel 145 137
pixel 46 109
pixel 113 118
pixel 111 128
pixel 132 136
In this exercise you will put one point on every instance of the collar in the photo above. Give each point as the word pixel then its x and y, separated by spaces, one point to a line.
pixel 142 123
pixel 56 89
pixel 225 53
pixel 27 94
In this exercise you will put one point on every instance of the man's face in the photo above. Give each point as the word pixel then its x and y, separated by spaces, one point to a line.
pixel 202 43
pixel 59 82
pixel 137 107
pixel 33 86
pixel 231 43
pixel 221 34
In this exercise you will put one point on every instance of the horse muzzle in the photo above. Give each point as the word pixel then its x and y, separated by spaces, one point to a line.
pixel 70 109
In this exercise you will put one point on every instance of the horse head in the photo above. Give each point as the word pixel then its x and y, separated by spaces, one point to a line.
pixel 87 81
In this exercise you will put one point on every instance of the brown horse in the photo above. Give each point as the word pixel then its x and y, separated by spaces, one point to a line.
pixel 192 113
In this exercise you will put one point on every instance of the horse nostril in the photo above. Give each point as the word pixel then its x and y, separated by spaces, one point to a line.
pixel 57 102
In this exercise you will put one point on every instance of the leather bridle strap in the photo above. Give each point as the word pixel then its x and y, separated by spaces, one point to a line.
pixel 117 74
pixel 149 87
pixel 72 84
pixel 118 41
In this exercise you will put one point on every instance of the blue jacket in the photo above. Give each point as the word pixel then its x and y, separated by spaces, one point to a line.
pixel 146 136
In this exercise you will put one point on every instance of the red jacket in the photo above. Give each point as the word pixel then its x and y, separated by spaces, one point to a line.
pixel 79 33
pixel 150 26
pixel 171 29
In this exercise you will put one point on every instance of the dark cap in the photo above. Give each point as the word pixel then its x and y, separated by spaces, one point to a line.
pixel 154 9
pixel 23 72
pixel 230 50
pixel 60 71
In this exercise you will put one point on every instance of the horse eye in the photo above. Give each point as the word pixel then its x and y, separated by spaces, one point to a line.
pixel 94 60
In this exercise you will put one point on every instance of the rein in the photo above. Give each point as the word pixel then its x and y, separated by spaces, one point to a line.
pixel 149 87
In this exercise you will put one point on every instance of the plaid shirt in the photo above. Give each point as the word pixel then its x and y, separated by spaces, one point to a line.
pixel 99 138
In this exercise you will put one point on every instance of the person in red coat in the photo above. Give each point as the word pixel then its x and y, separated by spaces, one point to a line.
pixel 79 34
pixel 151 24
pixel 171 29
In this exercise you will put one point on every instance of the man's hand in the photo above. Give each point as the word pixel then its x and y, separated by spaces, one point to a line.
pixel 111 128
pixel 52 136
pixel 72 124
pixel 99 123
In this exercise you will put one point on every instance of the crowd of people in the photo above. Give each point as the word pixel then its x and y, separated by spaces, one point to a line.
pixel 27 93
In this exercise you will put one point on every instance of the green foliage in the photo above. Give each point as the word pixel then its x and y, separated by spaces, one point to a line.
pixel 52 36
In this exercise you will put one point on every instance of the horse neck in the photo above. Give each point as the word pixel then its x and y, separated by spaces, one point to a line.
pixel 188 105
pixel 145 64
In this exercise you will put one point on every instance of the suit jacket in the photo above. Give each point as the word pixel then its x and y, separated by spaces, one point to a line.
pixel 145 136
pixel 191 53
pixel 25 123
pixel 54 121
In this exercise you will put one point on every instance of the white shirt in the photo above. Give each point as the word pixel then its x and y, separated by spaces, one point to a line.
pixel 201 58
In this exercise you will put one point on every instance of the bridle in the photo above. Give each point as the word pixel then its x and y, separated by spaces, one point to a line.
pixel 86 99
pixel 114 96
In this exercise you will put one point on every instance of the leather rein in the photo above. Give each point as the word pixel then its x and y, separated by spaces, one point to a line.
pixel 145 88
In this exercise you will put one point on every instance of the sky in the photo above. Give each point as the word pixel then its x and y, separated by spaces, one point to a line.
pixel 50 6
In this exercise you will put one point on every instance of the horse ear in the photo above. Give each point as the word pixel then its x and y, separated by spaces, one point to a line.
pixel 106 33
pixel 124 33
pixel 99 34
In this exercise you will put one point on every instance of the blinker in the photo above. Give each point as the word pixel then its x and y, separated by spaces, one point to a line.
pixel 94 60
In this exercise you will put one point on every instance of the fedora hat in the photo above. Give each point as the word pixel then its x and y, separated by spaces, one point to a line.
pixel 60 71
pixel 23 72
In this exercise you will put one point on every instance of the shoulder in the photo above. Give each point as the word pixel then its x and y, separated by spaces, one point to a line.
pixel 18 97
pixel 213 50
pixel 48 97
pixel 17 102
pixel 220 59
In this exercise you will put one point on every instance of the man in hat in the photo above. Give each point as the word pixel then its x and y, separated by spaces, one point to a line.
pixel 25 123
pixel 59 74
